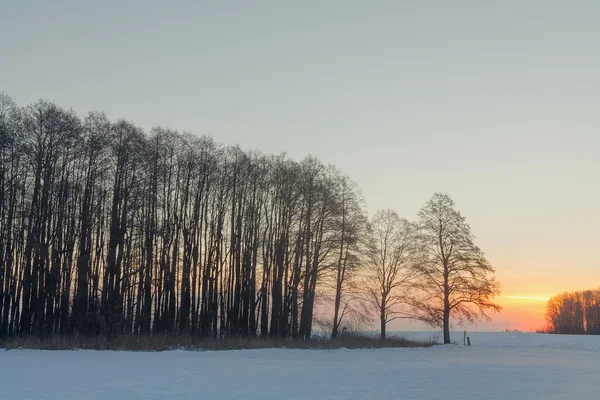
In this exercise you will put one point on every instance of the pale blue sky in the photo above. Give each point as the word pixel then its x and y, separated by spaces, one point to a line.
pixel 496 104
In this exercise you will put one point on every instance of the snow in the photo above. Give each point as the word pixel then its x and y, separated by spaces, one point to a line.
pixel 496 366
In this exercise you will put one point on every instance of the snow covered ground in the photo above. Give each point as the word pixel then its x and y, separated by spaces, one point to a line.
pixel 496 366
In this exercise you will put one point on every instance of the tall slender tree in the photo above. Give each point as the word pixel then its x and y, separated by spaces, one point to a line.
pixel 389 274
pixel 351 228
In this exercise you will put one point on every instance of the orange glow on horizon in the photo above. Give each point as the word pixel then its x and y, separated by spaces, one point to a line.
pixel 523 312
pixel 533 298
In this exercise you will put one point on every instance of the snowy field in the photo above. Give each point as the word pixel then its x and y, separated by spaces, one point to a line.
pixel 496 366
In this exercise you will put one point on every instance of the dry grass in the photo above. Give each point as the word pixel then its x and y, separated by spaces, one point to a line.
pixel 189 342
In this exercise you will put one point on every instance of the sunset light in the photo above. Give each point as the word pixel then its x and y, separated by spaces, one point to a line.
pixel 531 298
pixel 522 312
pixel 307 199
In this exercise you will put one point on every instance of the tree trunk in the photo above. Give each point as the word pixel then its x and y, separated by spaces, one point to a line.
pixel 446 326
pixel 382 320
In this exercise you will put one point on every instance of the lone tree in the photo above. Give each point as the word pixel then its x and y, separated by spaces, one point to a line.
pixel 389 272
pixel 454 278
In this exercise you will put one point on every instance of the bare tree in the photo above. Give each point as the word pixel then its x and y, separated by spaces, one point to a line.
pixel 107 229
pixel 455 279
pixel 574 313
pixel 351 228
pixel 10 189
pixel 92 161
pixel 389 272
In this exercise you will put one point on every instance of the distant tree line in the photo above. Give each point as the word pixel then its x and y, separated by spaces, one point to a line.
pixel 574 313
pixel 106 229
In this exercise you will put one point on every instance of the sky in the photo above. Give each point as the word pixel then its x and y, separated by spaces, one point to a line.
pixel 494 103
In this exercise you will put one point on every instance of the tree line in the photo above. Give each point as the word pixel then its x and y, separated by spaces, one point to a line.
pixel 574 313
pixel 107 229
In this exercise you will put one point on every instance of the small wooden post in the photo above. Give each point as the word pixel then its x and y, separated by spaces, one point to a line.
pixel 464 338
pixel 469 340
